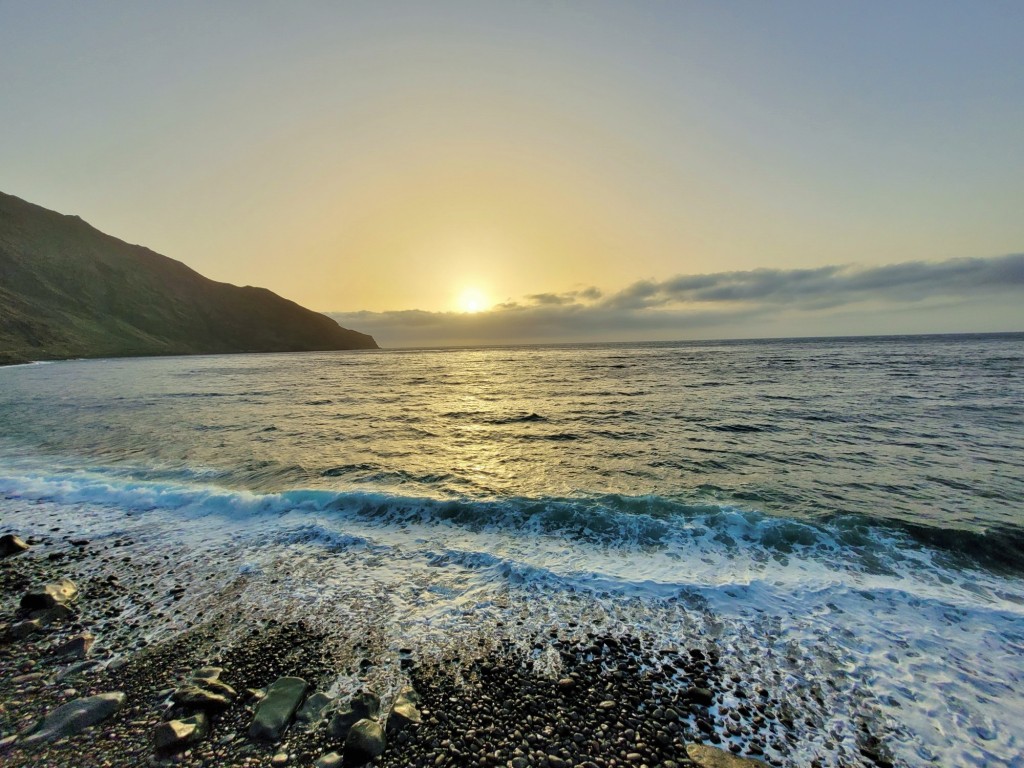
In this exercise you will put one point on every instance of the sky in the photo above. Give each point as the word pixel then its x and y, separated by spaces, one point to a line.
pixel 483 172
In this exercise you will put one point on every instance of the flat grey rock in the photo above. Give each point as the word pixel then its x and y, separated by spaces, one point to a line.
pixel 712 757
pixel 314 708
pixel 75 716
pixel 277 708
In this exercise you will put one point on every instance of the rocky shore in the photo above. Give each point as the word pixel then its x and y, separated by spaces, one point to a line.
pixel 80 684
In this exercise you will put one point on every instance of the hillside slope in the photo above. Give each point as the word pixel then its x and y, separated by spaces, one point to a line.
pixel 69 290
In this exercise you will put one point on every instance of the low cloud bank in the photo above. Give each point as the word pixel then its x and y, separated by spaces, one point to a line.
pixel 910 297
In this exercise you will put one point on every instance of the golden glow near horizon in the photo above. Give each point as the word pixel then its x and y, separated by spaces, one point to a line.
pixel 472 300
pixel 387 157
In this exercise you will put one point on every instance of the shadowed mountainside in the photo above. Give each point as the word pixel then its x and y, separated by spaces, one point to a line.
pixel 69 290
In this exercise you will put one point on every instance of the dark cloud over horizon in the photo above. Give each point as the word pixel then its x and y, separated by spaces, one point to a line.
pixel 749 303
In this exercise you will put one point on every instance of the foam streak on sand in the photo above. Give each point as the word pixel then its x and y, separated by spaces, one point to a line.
pixel 927 654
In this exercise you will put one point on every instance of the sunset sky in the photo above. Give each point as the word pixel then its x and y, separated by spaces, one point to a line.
pixel 451 172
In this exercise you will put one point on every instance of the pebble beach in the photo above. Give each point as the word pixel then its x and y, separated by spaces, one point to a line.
pixel 614 700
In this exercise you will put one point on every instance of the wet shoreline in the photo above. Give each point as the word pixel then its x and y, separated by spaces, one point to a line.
pixel 572 697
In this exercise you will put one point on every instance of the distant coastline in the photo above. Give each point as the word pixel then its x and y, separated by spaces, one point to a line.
pixel 71 291
pixel 8 360
pixel 710 342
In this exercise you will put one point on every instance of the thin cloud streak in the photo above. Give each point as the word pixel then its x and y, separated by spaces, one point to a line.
pixel 833 285
pixel 690 306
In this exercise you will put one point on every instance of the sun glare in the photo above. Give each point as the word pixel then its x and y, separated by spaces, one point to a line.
pixel 472 300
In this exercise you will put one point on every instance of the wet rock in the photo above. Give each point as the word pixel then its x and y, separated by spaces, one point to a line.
pixel 701 696
pixel 48 616
pixel 77 647
pixel 76 669
pixel 204 690
pixel 175 735
pixel 314 708
pixel 712 757
pixel 276 710
pixel 75 716
pixel 281 758
pixel 873 749
pixel 363 705
pixel 200 697
pixel 31 677
pixel 11 545
pixel 330 760
pixel 55 593
pixel 404 711
pixel 364 742
pixel 207 673
pixel 23 629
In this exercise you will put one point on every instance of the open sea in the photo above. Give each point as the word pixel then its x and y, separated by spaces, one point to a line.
pixel 844 518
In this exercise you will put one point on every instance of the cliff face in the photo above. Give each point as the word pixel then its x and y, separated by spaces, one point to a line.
pixel 68 290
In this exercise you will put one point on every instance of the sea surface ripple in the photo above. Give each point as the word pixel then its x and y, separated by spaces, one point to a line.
pixel 845 518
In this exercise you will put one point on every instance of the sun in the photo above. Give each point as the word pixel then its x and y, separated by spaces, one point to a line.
pixel 472 300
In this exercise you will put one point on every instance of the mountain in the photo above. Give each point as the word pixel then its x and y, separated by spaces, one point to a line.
pixel 69 290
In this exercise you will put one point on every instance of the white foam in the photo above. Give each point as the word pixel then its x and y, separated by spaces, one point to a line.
pixel 932 657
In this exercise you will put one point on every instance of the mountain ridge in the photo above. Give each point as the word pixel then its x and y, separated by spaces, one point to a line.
pixel 69 290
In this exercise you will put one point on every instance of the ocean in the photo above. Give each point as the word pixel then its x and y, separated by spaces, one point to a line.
pixel 842 518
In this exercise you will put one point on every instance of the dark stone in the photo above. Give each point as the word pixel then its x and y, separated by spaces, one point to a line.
pixel 48 616
pixel 11 545
pixel 701 696
pixel 77 647
pixel 276 709
pixel 364 742
pixel 23 629
pixel 363 705
pixel 75 716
